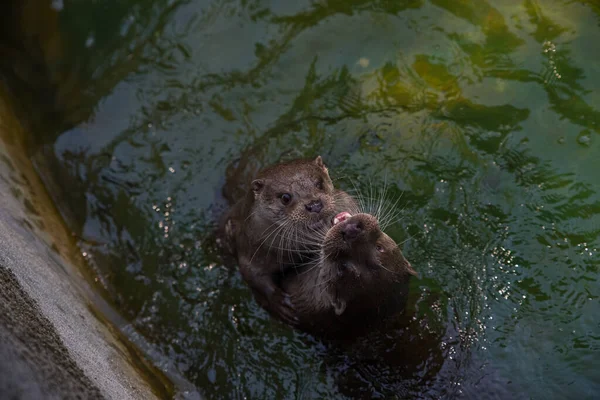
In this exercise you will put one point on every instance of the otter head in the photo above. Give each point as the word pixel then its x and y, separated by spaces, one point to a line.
pixel 298 192
pixel 361 262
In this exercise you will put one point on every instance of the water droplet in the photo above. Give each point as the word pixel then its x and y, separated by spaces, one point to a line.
pixel 89 42
pixel 57 5
pixel 363 62
pixel 584 138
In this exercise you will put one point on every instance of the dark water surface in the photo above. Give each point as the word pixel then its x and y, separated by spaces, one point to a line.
pixel 483 115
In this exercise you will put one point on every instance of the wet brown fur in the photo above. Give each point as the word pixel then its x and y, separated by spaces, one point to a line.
pixel 353 284
pixel 268 237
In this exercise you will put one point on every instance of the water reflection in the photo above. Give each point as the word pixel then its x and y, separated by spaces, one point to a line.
pixel 481 113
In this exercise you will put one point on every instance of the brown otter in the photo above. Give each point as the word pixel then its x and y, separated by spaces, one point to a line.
pixel 360 277
pixel 276 226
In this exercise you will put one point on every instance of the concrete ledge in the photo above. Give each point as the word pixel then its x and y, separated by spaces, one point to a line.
pixel 52 345
pixel 35 363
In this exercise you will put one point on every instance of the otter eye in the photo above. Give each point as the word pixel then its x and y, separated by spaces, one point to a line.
pixel 286 198
pixel 319 184
pixel 379 248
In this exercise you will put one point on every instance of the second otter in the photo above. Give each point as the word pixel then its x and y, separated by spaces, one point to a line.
pixel 361 277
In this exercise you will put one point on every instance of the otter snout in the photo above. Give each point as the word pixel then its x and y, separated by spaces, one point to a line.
pixel 351 230
pixel 314 206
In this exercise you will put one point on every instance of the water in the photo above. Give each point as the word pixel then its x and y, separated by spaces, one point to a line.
pixel 483 115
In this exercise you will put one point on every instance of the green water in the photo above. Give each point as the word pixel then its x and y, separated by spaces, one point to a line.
pixel 483 115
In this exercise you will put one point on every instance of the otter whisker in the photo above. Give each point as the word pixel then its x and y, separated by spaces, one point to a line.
pixel 278 228
pixel 390 218
pixel 316 260
pixel 378 202
pixel 359 197
pixel 391 214
pixel 295 233
pixel 284 246
pixel 317 263
pixel 307 246
pixel 372 209
pixel 388 270
pixel 391 208
pixel 251 214
pixel 292 239
pixel 280 253
pixel 274 230
pixel 410 237
pixel 278 236
pixel 382 198
pixel 308 270
pixel 379 198
pixel 284 240
pixel 301 251
pixel 315 239
pixel 339 178
pixel 353 208
pixel 290 244
pixel 326 284
pixel 274 224
pixel 309 238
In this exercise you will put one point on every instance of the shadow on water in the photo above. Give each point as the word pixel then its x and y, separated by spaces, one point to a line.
pixel 482 114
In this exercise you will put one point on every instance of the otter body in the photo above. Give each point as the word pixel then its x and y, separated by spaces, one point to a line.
pixel 361 278
pixel 276 225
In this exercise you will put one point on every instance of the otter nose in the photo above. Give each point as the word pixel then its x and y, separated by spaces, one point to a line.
pixel 351 230
pixel 314 206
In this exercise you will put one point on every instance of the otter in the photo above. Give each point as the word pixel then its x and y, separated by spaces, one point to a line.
pixel 360 278
pixel 275 226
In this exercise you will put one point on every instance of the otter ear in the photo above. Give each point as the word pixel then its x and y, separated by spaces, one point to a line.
pixel 320 164
pixel 257 185
pixel 339 305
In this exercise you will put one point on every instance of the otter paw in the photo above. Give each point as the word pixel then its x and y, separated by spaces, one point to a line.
pixel 281 304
